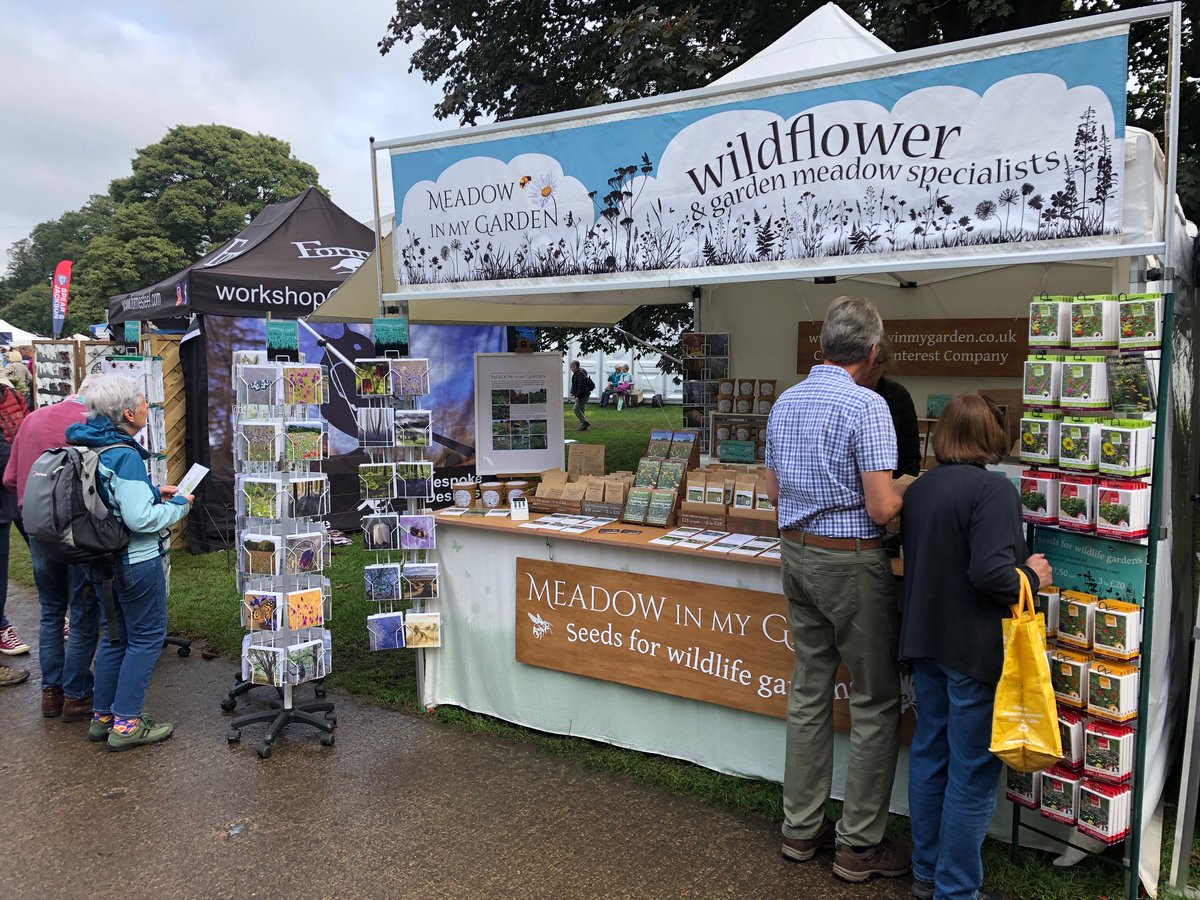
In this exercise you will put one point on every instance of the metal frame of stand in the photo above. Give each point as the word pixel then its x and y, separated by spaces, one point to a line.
pixel 284 711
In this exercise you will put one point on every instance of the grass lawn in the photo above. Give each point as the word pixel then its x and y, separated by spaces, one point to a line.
pixel 204 606
pixel 623 433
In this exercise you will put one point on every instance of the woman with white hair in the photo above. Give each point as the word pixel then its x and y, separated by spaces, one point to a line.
pixel 118 410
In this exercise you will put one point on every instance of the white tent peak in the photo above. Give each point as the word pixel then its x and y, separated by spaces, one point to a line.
pixel 828 37
pixel 20 337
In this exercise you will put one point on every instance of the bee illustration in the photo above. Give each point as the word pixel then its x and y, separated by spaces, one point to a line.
pixel 261 384
pixel 525 179
pixel 540 626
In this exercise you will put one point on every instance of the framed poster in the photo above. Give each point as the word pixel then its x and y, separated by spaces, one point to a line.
pixel 518 413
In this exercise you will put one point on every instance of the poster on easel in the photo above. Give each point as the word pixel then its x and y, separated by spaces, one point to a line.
pixel 518 412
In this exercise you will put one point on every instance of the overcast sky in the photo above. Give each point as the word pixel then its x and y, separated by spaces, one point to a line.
pixel 87 84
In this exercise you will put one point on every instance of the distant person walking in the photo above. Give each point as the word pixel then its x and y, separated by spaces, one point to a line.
pixel 18 374
pixel 581 388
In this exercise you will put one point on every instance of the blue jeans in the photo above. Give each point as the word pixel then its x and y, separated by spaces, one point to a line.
pixel 123 670
pixel 952 779
pixel 62 588
pixel 5 529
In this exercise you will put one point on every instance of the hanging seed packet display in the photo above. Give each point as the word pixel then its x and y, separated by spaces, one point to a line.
pixel 1050 322
pixel 1141 321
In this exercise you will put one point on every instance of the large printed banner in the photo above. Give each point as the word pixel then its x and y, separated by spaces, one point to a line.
pixel 716 644
pixel 942 157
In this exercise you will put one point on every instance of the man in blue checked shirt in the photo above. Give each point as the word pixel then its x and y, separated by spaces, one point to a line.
pixel 831 449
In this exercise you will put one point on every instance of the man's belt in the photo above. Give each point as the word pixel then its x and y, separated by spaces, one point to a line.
pixel 829 543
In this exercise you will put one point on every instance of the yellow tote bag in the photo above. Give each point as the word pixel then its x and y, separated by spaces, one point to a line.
pixel 1025 718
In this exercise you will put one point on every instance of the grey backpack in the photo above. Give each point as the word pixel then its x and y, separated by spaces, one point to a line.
pixel 64 512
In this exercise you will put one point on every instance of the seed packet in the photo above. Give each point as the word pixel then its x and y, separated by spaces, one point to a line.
pixel 1040 437
pixel 660 507
pixel 1123 511
pixel 1141 318
pixel 1045 602
pixel 1076 618
pixel 1043 381
pixel 1068 673
pixel 1108 751
pixel 636 505
pixel 1060 795
pixel 1024 788
pixel 647 473
pixel 1070 730
pixel 1126 447
pixel 1084 383
pixel 1079 444
pixel 1104 811
pixel 1039 497
pixel 1077 503
pixel 1112 691
pixel 1117 632
pixel 1050 322
pixel 1094 322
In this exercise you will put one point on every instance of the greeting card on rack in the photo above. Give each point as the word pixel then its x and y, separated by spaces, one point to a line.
pixel 261 385
pixel 306 609
pixel 386 631
pixel 305 552
pixel 391 335
pixel 417 533
pixel 410 377
pixel 377 481
pixel 414 428
pixel 308 496
pixel 423 631
pixel 249 358
pixel 419 581
pixel 262 498
pixel 283 339
pixel 381 531
pixel 261 441
pixel 261 554
pixel 414 479
pixel 303 385
pixel 305 662
pixel 376 426
pixel 382 582
pixel 373 377
pixel 262 610
pixel 304 441
pixel 266 664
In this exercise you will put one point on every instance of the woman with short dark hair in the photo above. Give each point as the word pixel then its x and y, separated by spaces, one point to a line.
pixel 963 544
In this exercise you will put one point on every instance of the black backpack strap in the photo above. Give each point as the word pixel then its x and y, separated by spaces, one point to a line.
pixel 104 573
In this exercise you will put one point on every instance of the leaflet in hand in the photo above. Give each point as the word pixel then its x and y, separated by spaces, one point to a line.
pixel 191 481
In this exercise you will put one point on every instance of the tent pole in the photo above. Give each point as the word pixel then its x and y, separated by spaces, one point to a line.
pixel 322 341
pixel 378 225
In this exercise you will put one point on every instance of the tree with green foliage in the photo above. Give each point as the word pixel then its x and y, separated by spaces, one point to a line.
pixel 191 191
pixel 511 59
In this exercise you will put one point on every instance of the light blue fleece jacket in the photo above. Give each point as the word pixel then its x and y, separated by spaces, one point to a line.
pixel 126 488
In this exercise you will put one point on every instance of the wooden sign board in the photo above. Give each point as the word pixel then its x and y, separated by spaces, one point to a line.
pixel 974 347
pixel 716 644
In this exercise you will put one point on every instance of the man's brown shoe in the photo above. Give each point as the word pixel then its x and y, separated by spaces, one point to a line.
pixel 52 701
pixel 76 710
pixel 802 850
pixel 891 859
